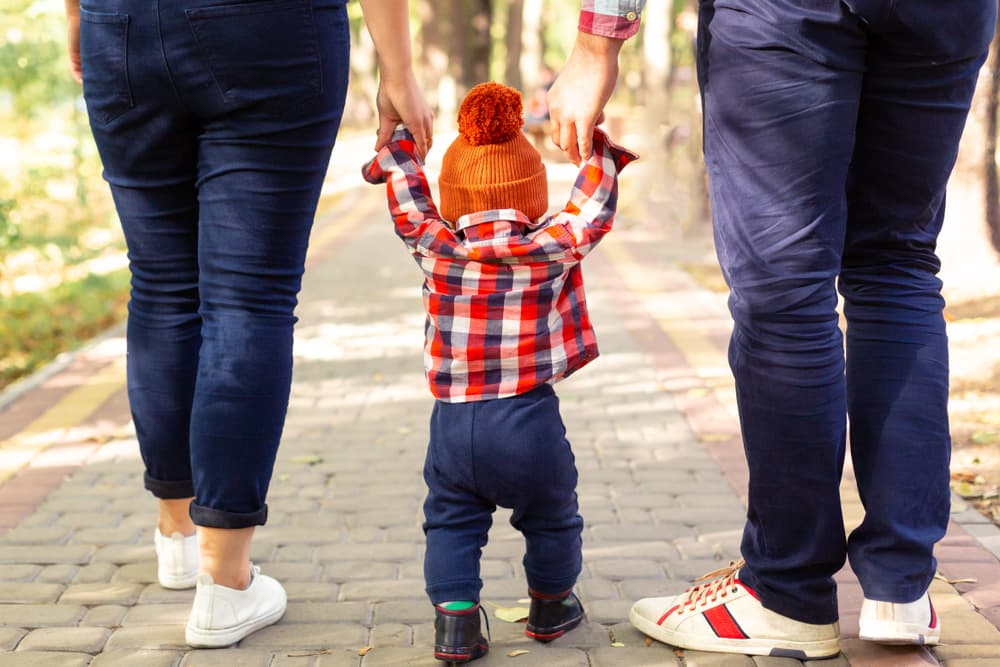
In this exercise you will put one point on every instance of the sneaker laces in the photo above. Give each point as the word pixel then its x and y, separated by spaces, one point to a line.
pixel 718 583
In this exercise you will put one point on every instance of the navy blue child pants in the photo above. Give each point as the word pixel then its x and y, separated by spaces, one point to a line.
pixel 214 120
pixel 831 128
pixel 510 452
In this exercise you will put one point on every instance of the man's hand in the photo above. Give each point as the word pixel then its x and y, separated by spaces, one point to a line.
pixel 400 100
pixel 578 96
pixel 73 38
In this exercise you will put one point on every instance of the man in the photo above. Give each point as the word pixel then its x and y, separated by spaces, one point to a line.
pixel 831 128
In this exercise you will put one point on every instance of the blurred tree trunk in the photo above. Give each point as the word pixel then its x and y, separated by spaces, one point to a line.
pixel 656 25
pixel 432 53
pixel 532 51
pixel 514 40
pixel 476 64
pixel 991 188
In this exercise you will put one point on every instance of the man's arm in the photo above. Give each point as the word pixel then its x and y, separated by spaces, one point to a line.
pixel 580 93
pixel 591 209
pixel 411 202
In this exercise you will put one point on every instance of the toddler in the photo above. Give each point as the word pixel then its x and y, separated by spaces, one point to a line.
pixel 506 319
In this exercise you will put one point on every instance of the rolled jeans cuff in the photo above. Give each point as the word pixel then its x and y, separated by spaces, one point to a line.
pixel 450 591
pixel 169 490
pixel 208 517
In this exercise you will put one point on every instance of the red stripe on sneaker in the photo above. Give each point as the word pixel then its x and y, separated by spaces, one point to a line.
pixel 933 614
pixel 669 611
pixel 723 624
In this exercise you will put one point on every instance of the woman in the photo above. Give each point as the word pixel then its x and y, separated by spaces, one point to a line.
pixel 215 120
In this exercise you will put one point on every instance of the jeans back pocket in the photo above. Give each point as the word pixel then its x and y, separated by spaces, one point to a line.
pixel 263 54
pixel 104 60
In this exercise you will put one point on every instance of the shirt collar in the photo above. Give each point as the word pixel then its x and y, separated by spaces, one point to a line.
pixel 493 215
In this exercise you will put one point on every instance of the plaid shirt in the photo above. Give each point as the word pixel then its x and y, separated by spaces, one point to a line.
pixel 504 295
pixel 611 18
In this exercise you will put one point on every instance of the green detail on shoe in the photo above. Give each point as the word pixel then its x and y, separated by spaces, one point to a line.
pixel 457 605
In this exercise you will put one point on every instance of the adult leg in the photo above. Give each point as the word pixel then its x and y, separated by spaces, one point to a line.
pixel 922 70
pixel 780 87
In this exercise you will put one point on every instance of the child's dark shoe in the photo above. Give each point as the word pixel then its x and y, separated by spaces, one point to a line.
pixel 551 617
pixel 458 635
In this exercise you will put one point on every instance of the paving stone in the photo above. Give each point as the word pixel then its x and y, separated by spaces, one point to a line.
pixel 617 570
pixel 79 520
pixel 701 659
pixel 136 658
pixel 295 553
pixel 101 593
pixel 9 637
pixel 136 573
pixel 104 616
pixel 629 656
pixel 153 637
pixel 156 594
pixel 95 573
pixel 390 634
pixel 46 535
pixel 608 611
pixel 102 536
pixel 58 574
pixel 45 555
pixel 869 653
pixel 299 535
pixel 304 636
pixel 639 532
pixel 157 614
pixel 40 615
pixel 302 591
pixel 121 554
pixel 393 552
pixel 226 658
pixel 947 652
pixel 836 661
pixel 46 659
pixel 382 589
pixel 19 572
pixel 403 611
pixel 768 661
pixel 288 572
pixel 327 612
pixel 29 593
pixel 81 640
pixel 343 571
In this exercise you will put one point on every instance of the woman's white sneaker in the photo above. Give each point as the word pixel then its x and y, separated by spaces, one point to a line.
pixel 900 623
pixel 176 560
pixel 222 616
pixel 725 615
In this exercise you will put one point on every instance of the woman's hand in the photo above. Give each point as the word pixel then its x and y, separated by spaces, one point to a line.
pixel 73 38
pixel 400 100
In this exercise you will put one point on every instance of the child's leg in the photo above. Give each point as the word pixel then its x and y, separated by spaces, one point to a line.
pixel 456 518
pixel 524 461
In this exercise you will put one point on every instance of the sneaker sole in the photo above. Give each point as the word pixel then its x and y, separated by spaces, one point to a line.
pixel 787 649
pixel 178 583
pixel 223 637
pixel 909 636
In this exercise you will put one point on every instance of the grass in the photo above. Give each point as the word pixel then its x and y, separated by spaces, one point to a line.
pixel 38 326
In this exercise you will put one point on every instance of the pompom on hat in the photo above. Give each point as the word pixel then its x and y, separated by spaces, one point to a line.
pixel 491 164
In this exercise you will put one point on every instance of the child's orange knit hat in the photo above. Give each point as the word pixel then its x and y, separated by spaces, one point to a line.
pixel 492 164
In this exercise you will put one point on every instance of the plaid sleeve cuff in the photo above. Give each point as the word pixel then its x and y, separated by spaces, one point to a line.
pixel 618 19
pixel 400 147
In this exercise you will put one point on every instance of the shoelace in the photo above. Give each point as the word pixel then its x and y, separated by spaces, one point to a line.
pixel 718 583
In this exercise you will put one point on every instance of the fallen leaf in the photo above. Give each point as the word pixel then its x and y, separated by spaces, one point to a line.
pixel 364 651
pixel 404 430
pixel 985 437
pixel 307 459
pixel 697 393
pixel 306 654
pixel 524 601
pixel 952 582
pixel 958 507
pixel 618 644
pixel 962 476
pixel 649 642
pixel 514 654
pixel 511 614
pixel 284 477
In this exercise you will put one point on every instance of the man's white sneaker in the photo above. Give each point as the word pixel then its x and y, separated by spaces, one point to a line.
pixel 900 623
pixel 222 616
pixel 176 560
pixel 724 615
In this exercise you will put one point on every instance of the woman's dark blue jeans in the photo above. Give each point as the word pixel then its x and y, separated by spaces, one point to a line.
pixel 831 128
pixel 214 120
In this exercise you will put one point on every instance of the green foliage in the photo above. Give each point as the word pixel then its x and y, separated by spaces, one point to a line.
pixel 34 68
pixel 36 327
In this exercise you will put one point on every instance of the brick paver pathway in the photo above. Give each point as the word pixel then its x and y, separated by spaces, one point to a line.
pixel 652 424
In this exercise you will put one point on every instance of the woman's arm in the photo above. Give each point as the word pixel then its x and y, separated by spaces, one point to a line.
pixel 73 33
pixel 399 97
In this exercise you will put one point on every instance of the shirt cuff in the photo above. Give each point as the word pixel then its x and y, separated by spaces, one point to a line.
pixel 620 22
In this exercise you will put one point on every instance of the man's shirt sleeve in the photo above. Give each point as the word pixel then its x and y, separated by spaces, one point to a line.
pixel 618 19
